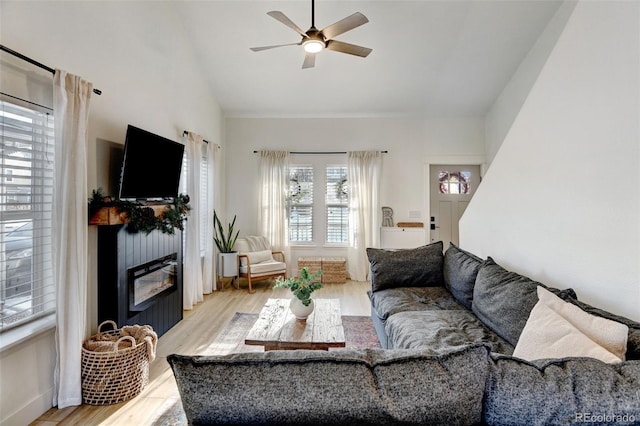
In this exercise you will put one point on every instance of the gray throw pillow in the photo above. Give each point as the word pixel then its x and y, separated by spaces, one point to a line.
pixel 419 267
pixel 503 300
pixel 561 392
pixel 460 271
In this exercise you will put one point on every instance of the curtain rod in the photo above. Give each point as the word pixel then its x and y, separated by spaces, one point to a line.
pixel 36 63
pixel 185 132
pixel 320 152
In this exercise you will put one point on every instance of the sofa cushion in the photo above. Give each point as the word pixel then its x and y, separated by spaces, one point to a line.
pixel 419 267
pixel 561 392
pixel 346 387
pixel 393 300
pixel 502 299
pixel 460 271
pixel 264 268
pixel 558 329
pixel 419 389
pixel 441 331
pixel 277 387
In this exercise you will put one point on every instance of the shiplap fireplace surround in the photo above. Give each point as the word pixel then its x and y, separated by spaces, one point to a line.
pixel 125 257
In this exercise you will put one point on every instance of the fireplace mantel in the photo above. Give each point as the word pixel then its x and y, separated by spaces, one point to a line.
pixel 112 216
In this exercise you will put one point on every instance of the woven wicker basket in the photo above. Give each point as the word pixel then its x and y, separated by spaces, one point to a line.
pixel 117 375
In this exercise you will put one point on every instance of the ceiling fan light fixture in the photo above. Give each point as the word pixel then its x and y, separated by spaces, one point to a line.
pixel 313 46
pixel 314 40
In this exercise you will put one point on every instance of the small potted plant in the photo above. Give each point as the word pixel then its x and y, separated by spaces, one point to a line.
pixel 302 286
pixel 227 257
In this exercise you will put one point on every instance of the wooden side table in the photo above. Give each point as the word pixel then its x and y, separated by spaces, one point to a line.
pixel 277 328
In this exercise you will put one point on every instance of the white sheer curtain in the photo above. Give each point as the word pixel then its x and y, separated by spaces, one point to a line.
pixel 196 269
pixel 71 98
pixel 209 282
pixel 272 204
pixel 363 174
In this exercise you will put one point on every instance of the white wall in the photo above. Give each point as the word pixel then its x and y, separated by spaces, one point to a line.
pixel 138 54
pixel 410 142
pixel 560 202
pixel 506 108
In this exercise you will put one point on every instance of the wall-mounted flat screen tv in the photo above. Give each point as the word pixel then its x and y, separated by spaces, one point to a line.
pixel 151 166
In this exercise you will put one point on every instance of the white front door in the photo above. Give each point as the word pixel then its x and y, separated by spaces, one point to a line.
pixel 452 187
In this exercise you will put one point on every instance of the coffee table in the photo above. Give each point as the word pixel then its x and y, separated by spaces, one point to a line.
pixel 277 328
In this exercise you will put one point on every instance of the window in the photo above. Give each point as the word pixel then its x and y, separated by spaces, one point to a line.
pixel 26 194
pixel 301 204
pixel 203 196
pixel 205 218
pixel 318 204
pixel 458 182
pixel 337 205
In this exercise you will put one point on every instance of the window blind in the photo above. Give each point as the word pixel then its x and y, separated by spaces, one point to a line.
pixel 204 197
pixel 337 201
pixel 301 204
pixel 27 289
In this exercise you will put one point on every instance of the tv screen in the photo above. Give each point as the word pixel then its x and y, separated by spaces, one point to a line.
pixel 151 166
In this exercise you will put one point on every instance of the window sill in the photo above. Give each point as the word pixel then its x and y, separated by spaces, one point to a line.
pixel 21 334
pixel 314 245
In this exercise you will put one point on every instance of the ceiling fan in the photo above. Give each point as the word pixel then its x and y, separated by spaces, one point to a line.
pixel 314 40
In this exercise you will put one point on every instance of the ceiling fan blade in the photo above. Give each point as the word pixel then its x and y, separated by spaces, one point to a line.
pixel 258 49
pixel 309 60
pixel 344 25
pixel 276 14
pixel 351 49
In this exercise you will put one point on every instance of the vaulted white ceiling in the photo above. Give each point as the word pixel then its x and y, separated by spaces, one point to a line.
pixel 450 57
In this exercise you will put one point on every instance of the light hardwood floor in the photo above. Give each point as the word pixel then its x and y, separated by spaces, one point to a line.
pixel 193 334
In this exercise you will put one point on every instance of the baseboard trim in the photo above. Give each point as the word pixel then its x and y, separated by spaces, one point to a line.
pixel 31 411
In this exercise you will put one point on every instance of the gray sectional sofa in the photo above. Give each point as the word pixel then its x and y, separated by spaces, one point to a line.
pixel 422 298
pixel 449 324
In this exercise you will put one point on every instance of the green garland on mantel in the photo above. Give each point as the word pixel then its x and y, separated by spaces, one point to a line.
pixel 141 218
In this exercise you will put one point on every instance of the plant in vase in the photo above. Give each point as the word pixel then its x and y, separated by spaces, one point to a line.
pixel 227 258
pixel 301 287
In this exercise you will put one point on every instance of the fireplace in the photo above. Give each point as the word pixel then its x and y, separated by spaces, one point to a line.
pixel 139 277
pixel 151 281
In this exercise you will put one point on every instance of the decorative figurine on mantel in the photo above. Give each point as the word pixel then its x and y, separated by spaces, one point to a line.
pixel 387 216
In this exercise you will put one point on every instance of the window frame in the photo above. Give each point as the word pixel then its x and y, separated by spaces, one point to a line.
pixel 30 130
pixel 302 204
pixel 203 196
pixel 329 204
pixel 320 204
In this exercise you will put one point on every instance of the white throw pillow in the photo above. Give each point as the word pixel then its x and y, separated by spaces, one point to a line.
pixel 260 256
pixel 557 329
pixel 607 333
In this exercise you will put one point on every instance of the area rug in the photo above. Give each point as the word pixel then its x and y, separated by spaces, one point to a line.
pixel 358 332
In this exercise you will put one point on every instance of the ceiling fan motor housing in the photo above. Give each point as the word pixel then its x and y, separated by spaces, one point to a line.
pixel 315 41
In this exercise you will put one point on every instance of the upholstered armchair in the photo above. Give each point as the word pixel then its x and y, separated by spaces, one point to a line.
pixel 258 261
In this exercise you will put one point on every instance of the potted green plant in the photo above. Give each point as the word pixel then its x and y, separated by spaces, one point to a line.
pixel 301 286
pixel 227 257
